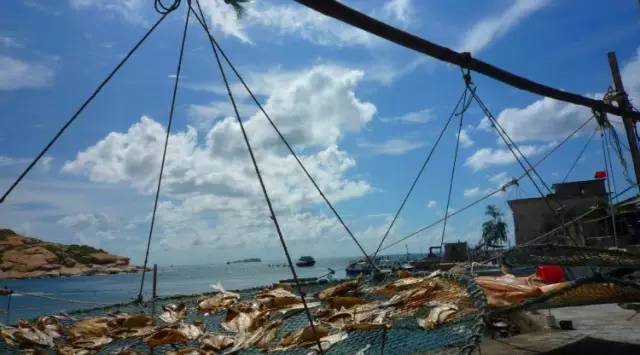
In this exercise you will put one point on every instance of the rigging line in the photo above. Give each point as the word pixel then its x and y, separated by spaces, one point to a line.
pixel 214 44
pixel 453 170
pixel 366 23
pixel 502 188
pixel 609 146
pixel 164 150
pixel 505 135
pixel 609 193
pixel 81 108
pixel 35 295
pixel 264 191
pixel 584 149
pixel 527 171
pixel 422 168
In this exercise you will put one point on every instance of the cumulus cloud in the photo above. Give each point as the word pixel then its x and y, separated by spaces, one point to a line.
pixel 17 74
pixel 432 204
pixel 420 116
pixel 465 140
pixel 214 174
pixel 130 10
pixel 493 27
pixel 399 10
pixel 631 75
pixel 488 157
pixel 543 120
pixel 393 146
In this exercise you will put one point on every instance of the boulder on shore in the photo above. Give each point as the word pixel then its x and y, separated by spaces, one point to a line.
pixel 25 257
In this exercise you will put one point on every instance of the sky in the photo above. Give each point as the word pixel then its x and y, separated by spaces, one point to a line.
pixel 362 113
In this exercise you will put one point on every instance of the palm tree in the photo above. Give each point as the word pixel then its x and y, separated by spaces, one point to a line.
pixel 494 231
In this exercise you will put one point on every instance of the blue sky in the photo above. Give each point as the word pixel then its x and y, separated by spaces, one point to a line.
pixel 361 112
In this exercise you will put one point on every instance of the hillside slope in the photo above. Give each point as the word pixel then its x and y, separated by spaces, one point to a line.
pixel 25 257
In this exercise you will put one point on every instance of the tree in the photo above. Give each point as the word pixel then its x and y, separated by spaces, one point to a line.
pixel 494 231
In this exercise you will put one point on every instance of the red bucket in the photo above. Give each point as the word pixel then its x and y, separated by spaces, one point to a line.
pixel 550 274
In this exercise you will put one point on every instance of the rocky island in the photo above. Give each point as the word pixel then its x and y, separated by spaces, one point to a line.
pixel 24 257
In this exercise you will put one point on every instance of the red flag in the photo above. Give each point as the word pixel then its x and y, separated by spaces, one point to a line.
pixel 600 175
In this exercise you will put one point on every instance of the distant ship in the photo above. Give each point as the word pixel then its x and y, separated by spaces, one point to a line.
pixel 306 261
pixel 250 260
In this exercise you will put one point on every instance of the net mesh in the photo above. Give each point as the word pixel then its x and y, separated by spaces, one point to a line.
pixel 460 334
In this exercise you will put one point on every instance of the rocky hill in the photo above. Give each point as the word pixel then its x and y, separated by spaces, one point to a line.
pixel 25 257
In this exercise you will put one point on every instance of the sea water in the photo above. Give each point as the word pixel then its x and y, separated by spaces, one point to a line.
pixel 89 291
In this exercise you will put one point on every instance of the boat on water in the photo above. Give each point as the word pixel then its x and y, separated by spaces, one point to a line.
pixel 306 261
pixel 249 260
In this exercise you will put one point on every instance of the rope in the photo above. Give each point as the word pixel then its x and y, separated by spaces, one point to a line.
pixel 8 309
pixel 81 108
pixel 424 165
pixel 607 163
pixel 215 44
pixel 263 187
pixel 511 146
pixel 465 106
pixel 498 190
pixel 164 149
pixel 584 148
pixel 59 299
pixel 161 8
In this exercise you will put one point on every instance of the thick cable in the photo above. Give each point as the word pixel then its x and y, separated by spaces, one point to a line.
pixel 584 148
pixel 164 150
pixel 264 191
pixel 453 172
pixel 81 108
pixel 214 43
pixel 496 191
pixel 422 168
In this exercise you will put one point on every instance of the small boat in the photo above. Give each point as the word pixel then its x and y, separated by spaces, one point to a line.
pixel 306 261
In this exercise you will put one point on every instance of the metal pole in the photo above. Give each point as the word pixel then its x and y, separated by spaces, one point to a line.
pixel 155 280
pixel 623 102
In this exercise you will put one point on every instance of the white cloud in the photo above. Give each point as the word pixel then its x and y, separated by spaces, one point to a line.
pixel 16 74
pixel 313 109
pixel 420 116
pixel 476 192
pixel 130 10
pixel 488 157
pixel 432 204
pixel 9 42
pixel 9 161
pixel 543 120
pixel 496 26
pixel 631 76
pixel 399 10
pixel 393 146
pixel 465 140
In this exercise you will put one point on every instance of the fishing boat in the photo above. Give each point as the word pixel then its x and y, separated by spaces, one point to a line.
pixel 306 261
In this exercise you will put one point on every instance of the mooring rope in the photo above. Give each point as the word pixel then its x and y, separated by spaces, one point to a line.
pixel 164 149
pixel 263 187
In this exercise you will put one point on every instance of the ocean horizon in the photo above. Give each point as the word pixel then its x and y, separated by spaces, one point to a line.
pixel 47 294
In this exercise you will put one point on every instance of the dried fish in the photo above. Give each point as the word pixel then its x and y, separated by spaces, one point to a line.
pixel 438 315
pixel 191 331
pixel 166 336
pixel 189 351
pixel 345 288
pixel 304 335
pixel 338 302
pixel 218 302
pixel 216 342
pixel 173 312
pixel 243 318
pixel 51 326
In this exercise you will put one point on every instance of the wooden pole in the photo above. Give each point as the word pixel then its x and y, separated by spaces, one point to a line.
pixel 342 12
pixel 155 280
pixel 629 124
